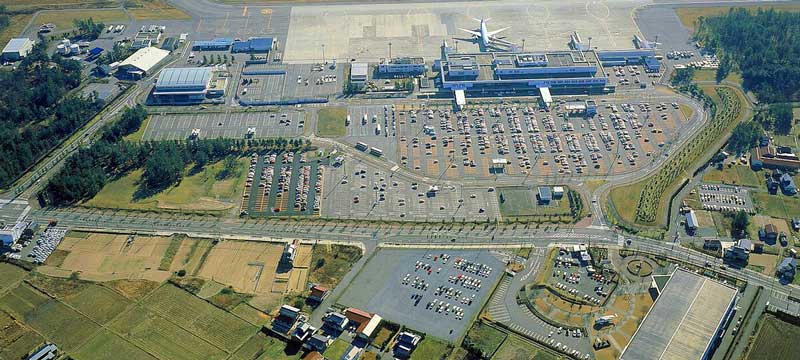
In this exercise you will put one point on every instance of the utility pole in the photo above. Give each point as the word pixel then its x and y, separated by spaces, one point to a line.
pixel 323 54
pixel 390 50
pixel 590 43
pixel 523 44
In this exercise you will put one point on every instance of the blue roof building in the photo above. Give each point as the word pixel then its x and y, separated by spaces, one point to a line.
pixel 218 44
pixel 545 195
pixel 644 57
pixel 787 269
pixel 253 45
pixel 788 185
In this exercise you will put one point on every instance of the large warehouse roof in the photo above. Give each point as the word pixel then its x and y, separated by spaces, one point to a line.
pixel 171 78
pixel 684 320
pixel 145 59
pixel 16 44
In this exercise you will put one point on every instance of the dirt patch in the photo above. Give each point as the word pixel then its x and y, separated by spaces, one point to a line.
pixel 132 289
pixel 247 266
pixel 768 262
pixel 780 224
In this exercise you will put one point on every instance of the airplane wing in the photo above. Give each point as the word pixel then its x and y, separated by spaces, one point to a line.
pixel 490 33
pixel 500 41
pixel 473 32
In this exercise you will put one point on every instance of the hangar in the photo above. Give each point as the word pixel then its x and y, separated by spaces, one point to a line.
pixel 17 49
pixel 187 85
pixel 686 320
pixel 253 45
pixel 142 62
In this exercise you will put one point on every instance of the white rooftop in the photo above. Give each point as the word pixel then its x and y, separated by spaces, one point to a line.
pixel 146 58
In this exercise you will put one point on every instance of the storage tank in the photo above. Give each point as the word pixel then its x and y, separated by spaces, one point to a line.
pixel 66 42
pixel 74 49
pixel 63 50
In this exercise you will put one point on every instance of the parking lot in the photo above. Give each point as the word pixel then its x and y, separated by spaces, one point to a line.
pixel 289 123
pixel 283 184
pixel 298 81
pixel 358 190
pixel 438 142
pixel 568 275
pixel 725 198
pixel 433 291
pixel 374 125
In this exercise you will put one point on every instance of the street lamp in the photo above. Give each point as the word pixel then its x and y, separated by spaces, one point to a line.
pixel 323 54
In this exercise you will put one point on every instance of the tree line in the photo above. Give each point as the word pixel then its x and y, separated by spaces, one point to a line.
pixel 88 170
pixel 763 46
pixel 37 112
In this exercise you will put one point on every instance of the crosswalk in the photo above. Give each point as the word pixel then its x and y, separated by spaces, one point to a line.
pixel 497 306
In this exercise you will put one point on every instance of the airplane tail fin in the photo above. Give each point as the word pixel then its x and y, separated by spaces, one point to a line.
pixel 484 20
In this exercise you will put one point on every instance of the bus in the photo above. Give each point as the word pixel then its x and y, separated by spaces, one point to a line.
pixel 362 146
pixel 375 151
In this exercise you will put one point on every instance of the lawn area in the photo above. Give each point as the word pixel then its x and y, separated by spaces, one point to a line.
pixel 485 338
pixel 778 206
pixel 329 263
pixel 16 339
pixel 689 15
pixel 9 275
pixel 336 349
pixel 64 19
pixel 711 75
pixel 331 121
pixel 515 348
pixel 431 348
pixel 201 192
pixel 137 136
pixel 56 4
pixel 735 175
pixel 625 199
pixel 15 27
pixel 776 339
pixel 686 110
pixel 154 10
pixel 522 201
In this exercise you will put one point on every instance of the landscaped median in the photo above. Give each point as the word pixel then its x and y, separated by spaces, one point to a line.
pixel 645 203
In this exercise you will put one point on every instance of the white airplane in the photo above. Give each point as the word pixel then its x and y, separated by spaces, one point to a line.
pixel 487 37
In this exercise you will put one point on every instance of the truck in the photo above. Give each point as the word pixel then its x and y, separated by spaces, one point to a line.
pixel 377 129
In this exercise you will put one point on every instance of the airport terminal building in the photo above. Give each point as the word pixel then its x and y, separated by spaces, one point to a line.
pixel 522 73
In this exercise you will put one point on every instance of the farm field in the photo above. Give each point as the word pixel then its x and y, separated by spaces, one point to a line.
pixel 106 345
pixel 778 206
pixel 154 10
pixel 740 175
pixel 16 338
pixel 203 191
pixel 63 19
pixel 249 267
pixel 9 275
pixel 329 263
pixel 775 339
pixel 331 122
pixel 30 5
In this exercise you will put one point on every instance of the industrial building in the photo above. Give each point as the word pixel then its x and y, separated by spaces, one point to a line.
pixel 187 85
pixel 141 62
pixel 521 73
pixel 686 320
pixel 253 45
pixel 218 44
pixel 147 36
pixel 402 66
pixel 17 48
pixel 358 73
pixel 11 233
pixel 643 57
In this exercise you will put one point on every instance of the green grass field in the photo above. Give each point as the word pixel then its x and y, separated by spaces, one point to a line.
pixel 200 192
pixel 22 300
pixel 735 175
pixel 336 349
pixel 15 27
pixel 163 338
pixel 98 303
pixel 106 345
pixel 485 338
pixel 516 348
pixel 137 136
pixel 626 198
pixel 251 314
pixel 154 10
pixel 16 338
pixel 522 202
pixel 431 348
pixel 336 262
pixel 779 206
pixel 263 347
pixel 216 326
pixel 29 5
pixel 10 275
pixel 776 339
pixel 330 121
pixel 62 325
pixel 63 19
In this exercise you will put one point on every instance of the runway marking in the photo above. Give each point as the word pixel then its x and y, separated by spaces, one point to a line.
pixel 225 23
pixel 244 11
pixel 268 14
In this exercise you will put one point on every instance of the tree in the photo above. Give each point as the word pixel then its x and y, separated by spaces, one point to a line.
pixel 782 113
pixel 5 19
pixel 682 76
pixel 745 135
pixel 739 224
pixel 89 28
pixel 163 168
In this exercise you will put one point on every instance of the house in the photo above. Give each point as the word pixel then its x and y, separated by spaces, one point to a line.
pixel 352 353
pixel 358 318
pixel 796 224
pixel 370 328
pixel 740 252
pixel 318 294
pixel 770 233
pixel 712 244
pixel 287 316
pixel 317 342
pixel 787 184
pixel 334 323
pixel 772 185
pixel 405 344
pixel 787 269
pixel 545 195
pixel 303 332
